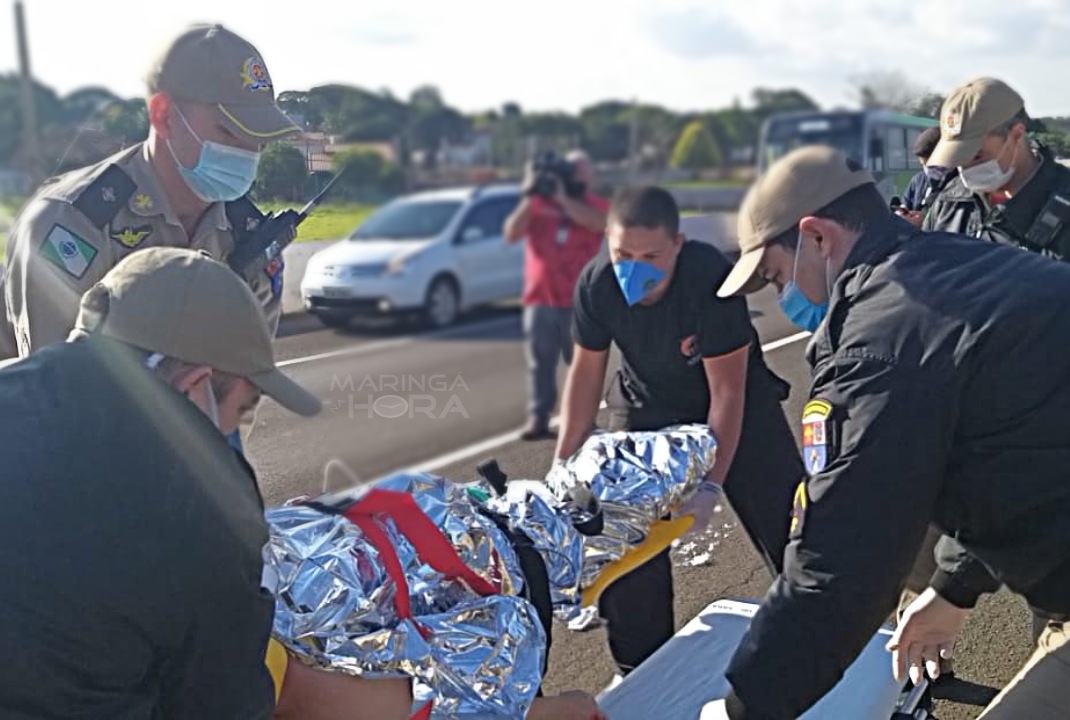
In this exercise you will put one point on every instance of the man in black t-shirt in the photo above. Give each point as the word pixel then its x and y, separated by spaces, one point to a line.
pixel 687 356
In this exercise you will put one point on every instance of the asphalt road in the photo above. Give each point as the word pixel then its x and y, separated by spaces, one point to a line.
pixel 398 401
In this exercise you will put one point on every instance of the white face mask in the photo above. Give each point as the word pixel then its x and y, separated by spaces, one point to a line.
pixel 989 176
pixel 213 406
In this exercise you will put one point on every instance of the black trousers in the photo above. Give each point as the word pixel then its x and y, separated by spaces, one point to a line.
pixel 638 608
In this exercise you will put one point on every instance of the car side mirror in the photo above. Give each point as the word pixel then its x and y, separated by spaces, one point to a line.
pixel 472 233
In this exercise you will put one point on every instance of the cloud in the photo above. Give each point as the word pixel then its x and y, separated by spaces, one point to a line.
pixel 696 33
pixel 383 31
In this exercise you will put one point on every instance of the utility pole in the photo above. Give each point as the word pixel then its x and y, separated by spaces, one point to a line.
pixel 29 106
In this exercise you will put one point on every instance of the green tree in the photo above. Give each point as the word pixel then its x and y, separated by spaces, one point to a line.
pixel 368 176
pixel 733 128
pixel 928 105
pixel 769 102
pixel 1057 142
pixel 607 130
pixel 86 104
pixel 49 112
pixel 430 123
pixel 298 106
pixel 282 174
pixel 696 149
pixel 127 120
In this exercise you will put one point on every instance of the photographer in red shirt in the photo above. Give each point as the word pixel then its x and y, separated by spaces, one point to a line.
pixel 564 223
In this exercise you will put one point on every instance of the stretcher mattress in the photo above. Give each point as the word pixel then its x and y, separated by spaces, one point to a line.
pixel 688 671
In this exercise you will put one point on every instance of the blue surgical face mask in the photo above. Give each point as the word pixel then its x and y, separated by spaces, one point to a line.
pixel 222 173
pixel 636 279
pixel 802 312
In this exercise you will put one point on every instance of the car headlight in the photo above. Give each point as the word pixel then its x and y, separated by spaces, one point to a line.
pixel 396 266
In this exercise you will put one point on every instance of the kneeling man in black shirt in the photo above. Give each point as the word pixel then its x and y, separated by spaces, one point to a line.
pixel 687 356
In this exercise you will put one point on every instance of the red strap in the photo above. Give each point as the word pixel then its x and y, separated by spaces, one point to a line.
pixel 428 541
pixel 381 543
pixel 423 713
pixel 430 544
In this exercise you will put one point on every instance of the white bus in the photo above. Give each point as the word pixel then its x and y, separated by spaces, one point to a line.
pixel 880 140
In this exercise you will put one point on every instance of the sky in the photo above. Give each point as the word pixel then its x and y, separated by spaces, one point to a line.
pixel 565 54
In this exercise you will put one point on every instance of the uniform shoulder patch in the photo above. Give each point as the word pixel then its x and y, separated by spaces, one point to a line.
pixel 67 251
pixel 815 443
pixel 131 237
pixel 102 199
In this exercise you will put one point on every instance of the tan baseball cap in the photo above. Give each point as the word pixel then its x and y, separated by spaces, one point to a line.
pixel 211 65
pixel 798 184
pixel 969 113
pixel 184 305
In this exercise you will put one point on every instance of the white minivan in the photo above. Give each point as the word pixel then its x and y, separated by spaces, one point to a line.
pixel 437 253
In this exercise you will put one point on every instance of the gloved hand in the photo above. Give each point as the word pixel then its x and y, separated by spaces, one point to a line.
pixel 558 468
pixel 701 505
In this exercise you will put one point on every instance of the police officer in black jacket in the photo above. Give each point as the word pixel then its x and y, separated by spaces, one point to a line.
pixel 1009 189
pixel 940 392
pixel 132 532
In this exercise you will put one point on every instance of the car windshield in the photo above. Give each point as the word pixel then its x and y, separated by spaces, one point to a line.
pixel 407 220
pixel 841 132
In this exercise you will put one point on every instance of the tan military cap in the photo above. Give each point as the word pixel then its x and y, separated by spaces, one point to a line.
pixel 211 65
pixel 969 113
pixel 184 305
pixel 798 184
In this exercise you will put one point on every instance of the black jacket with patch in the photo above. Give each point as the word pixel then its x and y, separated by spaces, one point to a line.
pixel 132 537
pixel 945 378
pixel 1036 219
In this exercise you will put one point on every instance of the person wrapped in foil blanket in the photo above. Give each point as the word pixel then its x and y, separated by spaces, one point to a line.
pixel 601 503
pixel 473 640
pixel 375 594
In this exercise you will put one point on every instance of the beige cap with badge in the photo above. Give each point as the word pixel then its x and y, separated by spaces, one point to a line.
pixel 211 65
pixel 184 305
pixel 969 113
pixel 798 184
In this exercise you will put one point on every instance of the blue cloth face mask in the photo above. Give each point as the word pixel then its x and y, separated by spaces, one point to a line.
pixel 636 279
pixel 801 311
pixel 222 173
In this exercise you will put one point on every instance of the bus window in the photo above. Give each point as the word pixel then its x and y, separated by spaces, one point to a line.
pixel 876 152
pixel 842 131
pixel 896 148
pixel 912 139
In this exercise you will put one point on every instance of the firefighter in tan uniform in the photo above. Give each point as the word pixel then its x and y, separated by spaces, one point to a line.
pixel 211 107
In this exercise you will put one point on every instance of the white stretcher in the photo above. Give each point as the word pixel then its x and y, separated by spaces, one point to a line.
pixel 688 671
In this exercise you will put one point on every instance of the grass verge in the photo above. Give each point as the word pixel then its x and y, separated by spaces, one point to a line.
pixel 328 221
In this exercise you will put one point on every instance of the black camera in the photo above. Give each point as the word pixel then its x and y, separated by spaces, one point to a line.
pixel 548 168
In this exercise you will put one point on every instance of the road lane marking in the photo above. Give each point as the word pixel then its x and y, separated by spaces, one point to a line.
pixel 777 344
pixel 373 347
pixel 492 443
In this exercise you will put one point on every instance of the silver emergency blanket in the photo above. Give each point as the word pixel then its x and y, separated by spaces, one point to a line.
pixel 638 477
pixel 534 511
pixel 475 537
pixel 479 656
